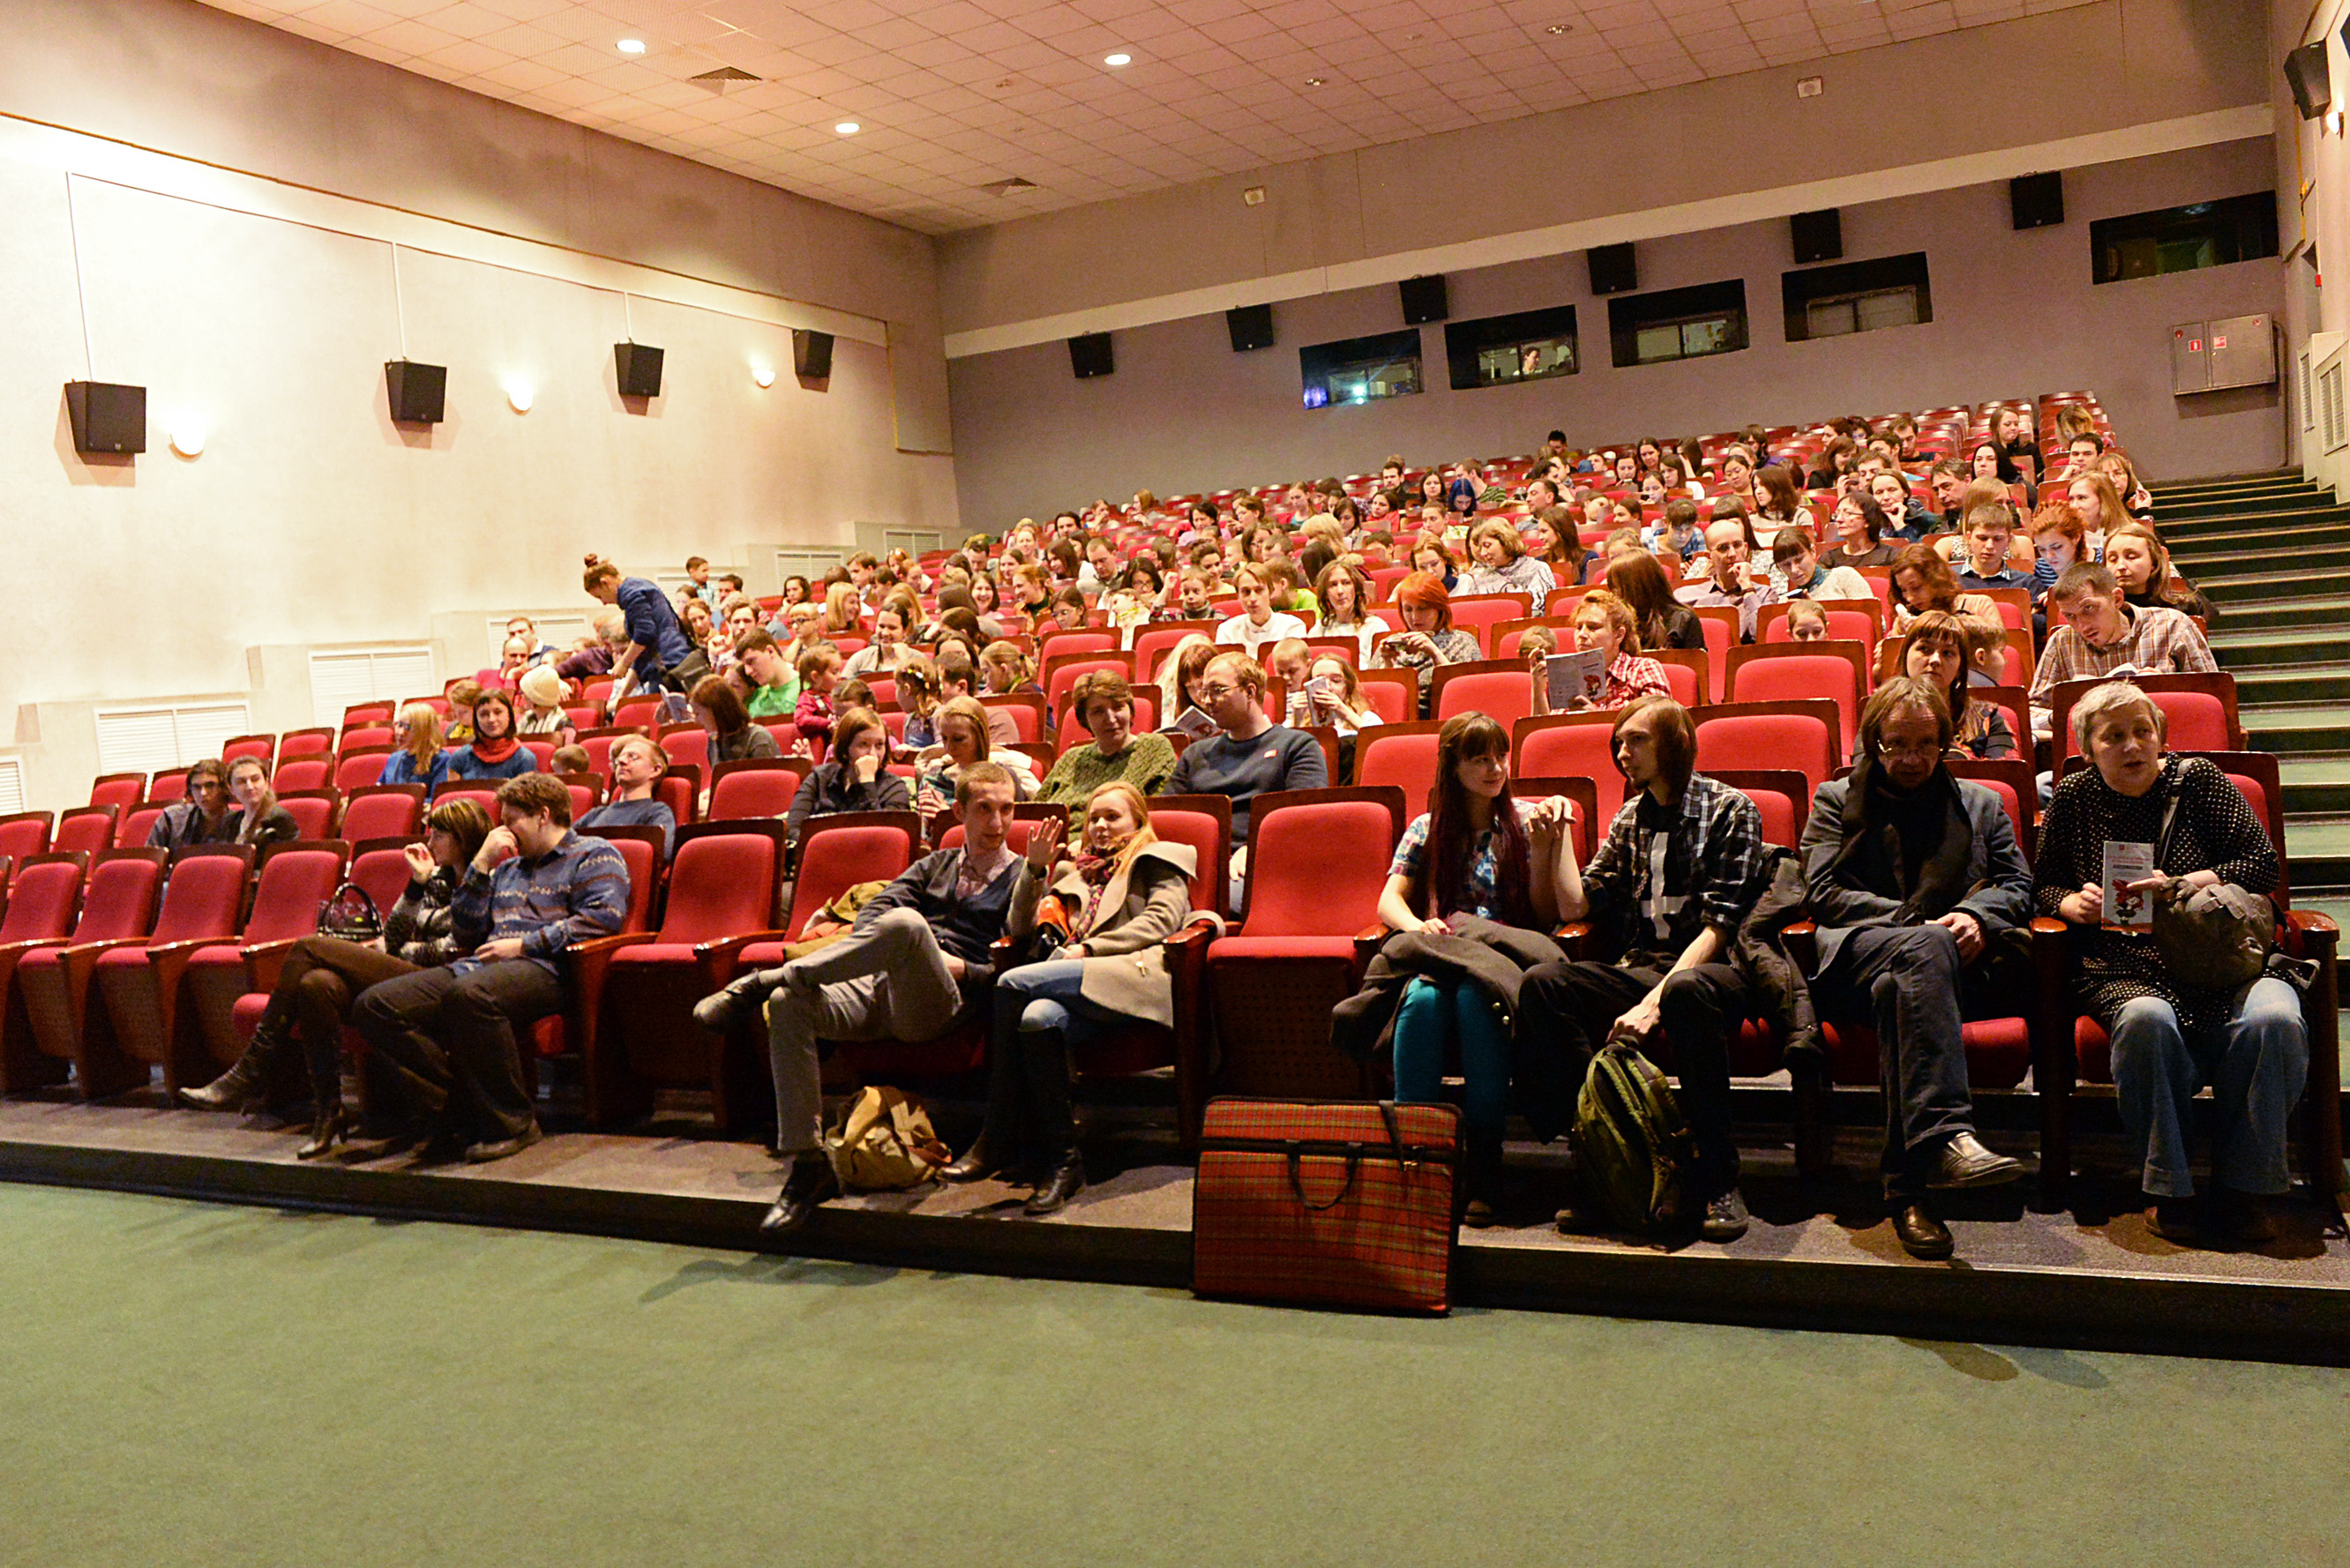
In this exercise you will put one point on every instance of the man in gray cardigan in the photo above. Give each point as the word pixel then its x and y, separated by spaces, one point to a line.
pixel 1911 870
pixel 916 958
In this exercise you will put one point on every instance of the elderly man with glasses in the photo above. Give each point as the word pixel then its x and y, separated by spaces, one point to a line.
pixel 1912 873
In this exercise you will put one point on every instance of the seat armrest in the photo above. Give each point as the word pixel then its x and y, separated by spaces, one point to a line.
pixel 1369 940
pixel 262 960
pixel 1574 938
pixel 2311 935
pixel 596 947
pixel 1803 939
pixel 732 947
pixel 161 952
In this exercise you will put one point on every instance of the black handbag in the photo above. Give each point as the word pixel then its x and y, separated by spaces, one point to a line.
pixel 349 915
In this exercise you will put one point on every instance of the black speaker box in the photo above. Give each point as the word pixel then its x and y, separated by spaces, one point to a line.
pixel 107 416
pixel 1251 327
pixel 2036 200
pixel 2313 88
pixel 639 369
pixel 812 355
pixel 1818 236
pixel 1424 299
pixel 1089 356
pixel 419 392
pixel 1614 269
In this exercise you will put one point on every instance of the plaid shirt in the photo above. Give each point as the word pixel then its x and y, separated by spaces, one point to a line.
pixel 1663 873
pixel 577 890
pixel 1707 594
pixel 2153 642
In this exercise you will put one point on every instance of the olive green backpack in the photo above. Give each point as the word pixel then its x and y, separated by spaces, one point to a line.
pixel 1631 1146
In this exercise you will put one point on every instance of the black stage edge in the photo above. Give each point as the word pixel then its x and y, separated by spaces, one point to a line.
pixel 2208 1318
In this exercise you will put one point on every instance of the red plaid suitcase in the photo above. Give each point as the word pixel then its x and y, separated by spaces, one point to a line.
pixel 1345 1204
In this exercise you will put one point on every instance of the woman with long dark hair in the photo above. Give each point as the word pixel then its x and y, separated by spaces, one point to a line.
pixel 1661 620
pixel 1936 653
pixel 1476 851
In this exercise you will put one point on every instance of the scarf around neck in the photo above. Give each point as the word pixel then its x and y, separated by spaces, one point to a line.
pixel 492 753
pixel 1874 812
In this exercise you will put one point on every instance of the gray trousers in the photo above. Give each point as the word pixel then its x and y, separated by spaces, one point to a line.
pixel 1904 981
pixel 889 982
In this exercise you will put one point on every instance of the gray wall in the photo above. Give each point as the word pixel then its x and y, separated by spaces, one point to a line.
pixel 2014 314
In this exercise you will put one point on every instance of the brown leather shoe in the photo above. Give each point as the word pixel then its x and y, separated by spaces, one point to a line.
pixel 1920 1234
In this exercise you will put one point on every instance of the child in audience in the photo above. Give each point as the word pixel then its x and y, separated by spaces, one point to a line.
pixel 542 693
pixel 463 695
pixel 819 673
pixel 569 760
pixel 1807 621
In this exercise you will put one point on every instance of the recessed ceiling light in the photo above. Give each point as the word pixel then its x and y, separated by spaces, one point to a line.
pixel 630 46
pixel 1313 81
pixel 848 127
pixel 1557 28
pixel 1120 58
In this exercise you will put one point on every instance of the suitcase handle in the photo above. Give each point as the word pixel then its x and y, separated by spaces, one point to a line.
pixel 1297 1179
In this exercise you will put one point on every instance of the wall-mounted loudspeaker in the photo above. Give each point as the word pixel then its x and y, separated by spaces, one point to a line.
pixel 419 392
pixel 2036 200
pixel 812 355
pixel 1251 327
pixel 107 416
pixel 1614 269
pixel 2312 90
pixel 639 369
pixel 1089 356
pixel 1424 299
pixel 1817 237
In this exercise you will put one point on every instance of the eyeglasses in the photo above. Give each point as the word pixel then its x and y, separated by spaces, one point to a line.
pixel 1217 693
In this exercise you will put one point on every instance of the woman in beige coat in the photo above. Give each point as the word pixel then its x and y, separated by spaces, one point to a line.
pixel 1124 892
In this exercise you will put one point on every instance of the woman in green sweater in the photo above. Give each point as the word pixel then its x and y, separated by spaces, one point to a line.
pixel 1104 703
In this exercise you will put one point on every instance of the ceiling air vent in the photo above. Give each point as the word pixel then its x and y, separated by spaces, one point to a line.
pixel 1008 187
pixel 726 75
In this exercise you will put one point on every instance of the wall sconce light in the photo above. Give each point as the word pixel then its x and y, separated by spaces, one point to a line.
pixel 765 375
pixel 188 439
pixel 2334 120
pixel 520 396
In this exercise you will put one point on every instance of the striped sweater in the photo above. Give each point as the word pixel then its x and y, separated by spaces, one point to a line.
pixel 574 891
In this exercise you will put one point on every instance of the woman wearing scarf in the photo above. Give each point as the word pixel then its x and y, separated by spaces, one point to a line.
pixel 495 753
pixel 1124 893
pixel 1912 873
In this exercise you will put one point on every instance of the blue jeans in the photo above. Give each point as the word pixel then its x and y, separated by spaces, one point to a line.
pixel 1432 1017
pixel 2257 1064
pixel 1038 997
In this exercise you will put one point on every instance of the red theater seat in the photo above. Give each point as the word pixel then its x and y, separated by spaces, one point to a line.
pixel 296 878
pixel 143 1021
pixel 118 901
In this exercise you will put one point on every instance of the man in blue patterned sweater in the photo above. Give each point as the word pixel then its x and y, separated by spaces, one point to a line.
pixel 449 1034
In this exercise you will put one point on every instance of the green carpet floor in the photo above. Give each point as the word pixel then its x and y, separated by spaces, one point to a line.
pixel 188 1384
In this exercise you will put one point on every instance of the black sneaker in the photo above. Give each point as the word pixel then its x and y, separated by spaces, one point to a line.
pixel 1725 1218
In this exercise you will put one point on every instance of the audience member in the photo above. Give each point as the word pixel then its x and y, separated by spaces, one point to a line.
pixel 259 819
pixel 2102 635
pixel 494 752
pixel 203 817
pixel 416 731
pixel 1938 653
pixel 1251 756
pixel 1428 638
pixel 854 775
pixel 658 656
pixel 637 763
pixel 1103 702
pixel 1734 582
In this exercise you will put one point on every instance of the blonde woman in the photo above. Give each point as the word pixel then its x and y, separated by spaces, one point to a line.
pixel 1179 676
pixel 964 741
pixel 420 759
pixel 1125 891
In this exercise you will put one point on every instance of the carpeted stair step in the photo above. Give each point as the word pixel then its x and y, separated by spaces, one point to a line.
pixel 2217 513
pixel 2281 585
pixel 2321 686
pixel 2329 545
pixel 2291 731
pixel 2274 477
pixel 2320 610
pixel 2319 848
pixel 2316 786
pixel 2243 650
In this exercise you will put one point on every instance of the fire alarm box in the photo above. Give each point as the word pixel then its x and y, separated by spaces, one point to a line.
pixel 2229 352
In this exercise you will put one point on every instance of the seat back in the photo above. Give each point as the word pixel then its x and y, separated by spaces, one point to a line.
pixel 118 900
pixel 1084 639
pixel 204 896
pixel 2011 780
pixel 296 743
pixel 121 791
pixel 585 791
pixel 722 883
pixel 382 811
pixel 261 746
pixel 641 850
pixel 484 796
pixel 1719 624
pixel 1403 755
pixel 295 880
pixel 1027 711
pixel 1062 674
pixel 311 771
pixel 688 745
pixel 1849 620
pixel 1572 745
pixel 171 784
pixel 366 738
pixel 2198 709
pixel 382 869
pixel 1296 887
pixel 1791 672
pixel 1393 694
pixel 88 830
pixel 1781 796
pixel 313 811
pixel 1686 674
pixel 679 789
pixel 1205 822
pixel 357 770
pixel 42 899
pixel 1479 614
pixel 1801 735
pixel 131 831
pixel 839 851
pixel 24 835
pixel 1151 643
pixel 763 787
pixel 1498 687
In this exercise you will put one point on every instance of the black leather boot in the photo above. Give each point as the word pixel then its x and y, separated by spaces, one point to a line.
pixel 243 1084
pixel 997 1147
pixel 1047 1058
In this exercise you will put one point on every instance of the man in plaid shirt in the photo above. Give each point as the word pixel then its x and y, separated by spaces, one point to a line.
pixel 1680 868
pixel 535 889
pixel 2101 634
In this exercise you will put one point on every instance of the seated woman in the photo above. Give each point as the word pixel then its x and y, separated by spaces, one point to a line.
pixel 1475 851
pixel 1605 622
pixel 1179 678
pixel 1344 593
pixel 2170 1038
pixel 1861 526
pixel 718 709
pixel 1923 583
pixel 1430 554
pixel 963 736
pixel 854 775
pixel 495 753
pixel 637 763
pixel 322 977
pixel 1104 704
pixel 419 760
pixel 259 819
pixel 1428 638
pixel 1938 654
pixel 1661 620
pixel 1503 567
pixel 2141 563
pixel 1125 892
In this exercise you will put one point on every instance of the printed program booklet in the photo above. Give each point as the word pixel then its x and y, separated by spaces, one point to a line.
pixel 2127 863
pixel 1581 672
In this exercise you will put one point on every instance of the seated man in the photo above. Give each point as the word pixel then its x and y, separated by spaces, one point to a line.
pixel 915 964
pixel 2102 636
pixel 637 763
pixel 205 816
pixel 1253 756
pixel 1990 530
pixel 535 888
pixel 1679 872
pixel 1733 578
pixel 1910 871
